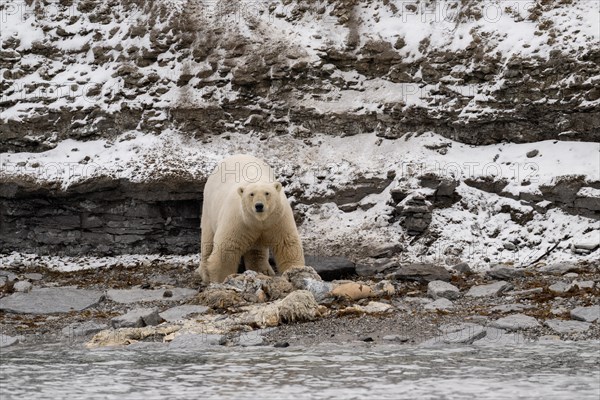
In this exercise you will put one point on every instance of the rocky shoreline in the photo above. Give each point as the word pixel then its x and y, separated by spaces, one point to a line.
pixel 419 304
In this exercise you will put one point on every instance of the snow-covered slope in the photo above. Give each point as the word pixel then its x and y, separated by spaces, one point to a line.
pixel 479 72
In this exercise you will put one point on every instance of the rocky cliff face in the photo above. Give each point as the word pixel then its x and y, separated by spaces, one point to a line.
pixel 476 72
pixel 114 112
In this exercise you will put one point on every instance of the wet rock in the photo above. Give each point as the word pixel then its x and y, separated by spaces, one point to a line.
pixel 515 322
pixel 396 338
pixel 461 334
pixel 137 318
pixel 249 339
pixel 562 326
pixel 439 304
pixel 331 268
pixel 462 268
pixel 587 314
pixel 182 312
pixel 352 291
pixel 50 300
pixel 532 153
pixel 492 289
pixel 281 345
pixel 7 341
pixel 420 273
pixel 22 286
pixel 505 272
pixel 441 289
pixel 191 342
pixel 82 329
pixel 127 296
pixel 499 337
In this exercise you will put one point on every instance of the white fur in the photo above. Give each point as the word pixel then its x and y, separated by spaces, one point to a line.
pixel 232 228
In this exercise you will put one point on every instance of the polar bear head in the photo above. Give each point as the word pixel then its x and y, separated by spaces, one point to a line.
pixel 261 200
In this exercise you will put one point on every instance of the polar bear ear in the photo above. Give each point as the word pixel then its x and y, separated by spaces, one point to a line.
pixel 240 191
pixel 277 186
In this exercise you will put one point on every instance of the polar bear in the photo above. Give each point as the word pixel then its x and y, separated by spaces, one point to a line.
pixel 244 214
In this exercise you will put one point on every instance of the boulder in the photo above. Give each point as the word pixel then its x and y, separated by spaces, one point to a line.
pixel 51 300
pixel 420 273
pixel 587 314
pixel 492 289
pixel 515 322
pixel 441 289
pixel 137 318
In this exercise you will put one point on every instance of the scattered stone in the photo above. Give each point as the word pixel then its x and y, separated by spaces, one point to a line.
pixel 22 287
pixel 587 314
pixel 10 277
pixel 561 287
pixel 281 345
pixel 441 289
pixel 51 300
pixel 182 312
pixel 499 337
pixel 571 275
pixel 127 296
pixel 33 276
pixel 188 341
pixel 418 300
pixel 504 272
pixel 248 339
pixel 562 326
pixel 439 304
pixel 352 291
pixel 368 339
pixel 462 268
pixel 331 268
pixel 420 273
pixel 515 322
pixel 7 341
pixel 525 292
pixel 560 268
pixel 492 289
pixel 396 338
pixel 82 329
pixel 168 293
pixel 467 335
pixel 532 153
pixel 375 307
pixel 370 269
pixel 137 318
pixel 506 308
pixel 584 284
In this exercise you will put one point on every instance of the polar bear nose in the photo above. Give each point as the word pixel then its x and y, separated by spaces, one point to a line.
pixel 260 207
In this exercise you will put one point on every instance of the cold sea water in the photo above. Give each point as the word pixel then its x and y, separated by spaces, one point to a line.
pixel 558 370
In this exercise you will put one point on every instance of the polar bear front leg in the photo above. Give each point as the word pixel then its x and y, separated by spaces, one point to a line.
pixel 288 252
pixel 206 249
pixel 257 259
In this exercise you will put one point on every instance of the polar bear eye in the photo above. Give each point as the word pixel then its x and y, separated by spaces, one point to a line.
pixel 251 194
pixel 267 193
